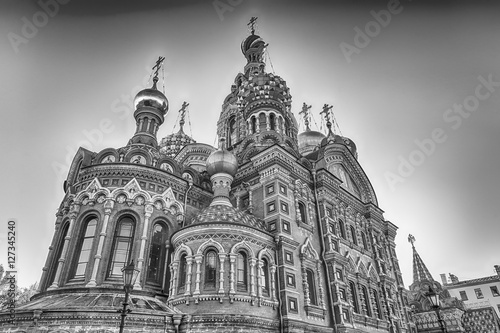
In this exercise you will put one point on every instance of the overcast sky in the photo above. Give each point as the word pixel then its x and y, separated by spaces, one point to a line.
pixel 395 85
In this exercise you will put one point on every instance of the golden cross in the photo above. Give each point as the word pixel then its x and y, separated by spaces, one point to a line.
pixel 183 112
pixel 252 23
pixel 305 113
pixel 156 67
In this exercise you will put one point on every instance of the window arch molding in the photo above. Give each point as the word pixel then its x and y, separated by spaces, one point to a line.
pixel 266 274
pixel 310 264
pixel 200 257
pixel 179 254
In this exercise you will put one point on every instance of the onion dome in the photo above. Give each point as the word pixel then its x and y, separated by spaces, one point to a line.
pixel 227 214
pixel 151 97
pixel 309 140
pixel 252 43
pixel 222 161
pixel 172 144
pixel 337 139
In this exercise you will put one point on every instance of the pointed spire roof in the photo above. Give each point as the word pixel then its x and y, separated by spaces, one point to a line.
pixel 420 271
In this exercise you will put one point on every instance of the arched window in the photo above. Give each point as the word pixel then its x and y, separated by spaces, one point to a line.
pixel 366 298
pixel 157 254
pixel 242 272
pixel 55 261
pixel 353 235
pixel 363 239
pixel 181 273
pixel 210 269
pixel 272 119
pixel 313 300
pixel 262 122
pixel 302 211
pixel 254 125
pixel 265 277
pixel 354 297
pixel 85 247
pixel 342 229
pixel 232 131
pixel 122 246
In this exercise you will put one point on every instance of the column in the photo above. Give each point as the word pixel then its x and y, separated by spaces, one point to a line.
pixel 173 278
pixel 72 215
pixel 108 207
pixel 253 261
pixel 189 263
pixel 259 278
pixel 268 123
pixel 222 258
pixel 197 259
pixel 148 210
pixel 272 289
pixel 232 260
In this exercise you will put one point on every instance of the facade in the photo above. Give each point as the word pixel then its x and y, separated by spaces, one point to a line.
pixel 476 293
pixel 273 231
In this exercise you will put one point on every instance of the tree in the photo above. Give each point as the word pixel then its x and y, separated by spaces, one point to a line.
pixel 22 294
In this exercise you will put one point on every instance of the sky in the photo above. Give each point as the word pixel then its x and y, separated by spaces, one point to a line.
pixel 415 84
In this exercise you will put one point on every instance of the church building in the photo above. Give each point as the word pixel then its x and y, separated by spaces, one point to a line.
pixel 277 229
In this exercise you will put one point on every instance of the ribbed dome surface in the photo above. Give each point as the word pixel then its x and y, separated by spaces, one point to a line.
pixel 227 214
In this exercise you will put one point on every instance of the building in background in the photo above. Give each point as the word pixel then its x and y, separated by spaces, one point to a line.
pixel 476 293
pixel 273 231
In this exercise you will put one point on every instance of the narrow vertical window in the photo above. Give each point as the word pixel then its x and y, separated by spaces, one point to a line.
pixel 241 271
pixel 354 297
pixel 366 297
pixel 85 248
pixel 265 277
pixel 232 131
pixel 363 239
pixel 254 125
pixel 342 229
pixel 377 304
pixel 122 247
pixel 157 254
pixel 262 122
pixel 181 274
pixel 353 235
pixel 210 269
pixel 312 287
pixel 302 211
pixel 272 119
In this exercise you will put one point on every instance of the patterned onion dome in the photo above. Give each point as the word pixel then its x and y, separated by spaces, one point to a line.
pixel 309 140
pixel 172 144
pixel 222 161
pixel 153 98
pixel 227 214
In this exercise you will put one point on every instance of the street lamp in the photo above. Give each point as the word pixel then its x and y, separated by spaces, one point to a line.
pixel 434 299
pixel 129 276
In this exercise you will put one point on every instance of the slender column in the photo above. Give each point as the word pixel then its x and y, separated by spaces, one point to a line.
pixel 260 278
pixel 320 285
pixel 148 125
pixel 171 286
pixel 52 246
pixel 140 261
pixel 222 258
pixel 140 124
pixel 272 287
pixel 108 207
pixel 268 123
pixel 232 260
pixel 174 277
pixel 249 126
pixel 276 124
pixel 72 214
pixel 189 263
pixel 252 276
pixel 167 248
pixel 197 259
pixel 257 124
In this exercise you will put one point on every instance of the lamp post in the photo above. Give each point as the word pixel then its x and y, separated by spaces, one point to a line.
pixel 434 299
pixel 129 276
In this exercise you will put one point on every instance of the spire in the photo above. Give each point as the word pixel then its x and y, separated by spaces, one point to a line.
pixel 420 271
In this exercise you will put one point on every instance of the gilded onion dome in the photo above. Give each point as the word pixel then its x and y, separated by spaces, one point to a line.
pixel 309 140
pixel 337 139
pixel 222 161
pixel 151 97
